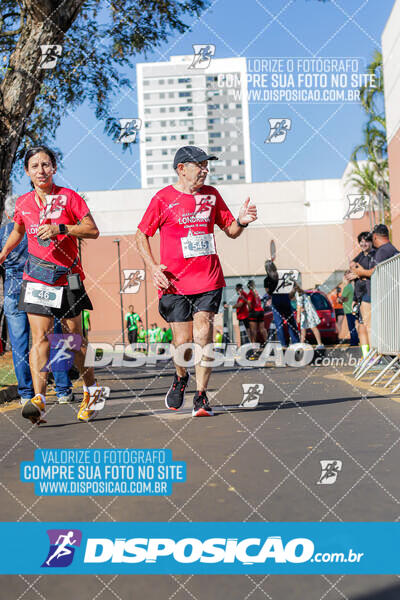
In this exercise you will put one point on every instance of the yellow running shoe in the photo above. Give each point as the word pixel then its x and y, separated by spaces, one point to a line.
pixel 84 413
pixel 33 410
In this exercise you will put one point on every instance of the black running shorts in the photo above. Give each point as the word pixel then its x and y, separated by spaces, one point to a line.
pixel 256 316
pixel 72 304
pixel 175 308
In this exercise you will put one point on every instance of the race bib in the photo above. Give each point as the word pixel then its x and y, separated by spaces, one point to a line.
pixel 44 295
pixel 198 245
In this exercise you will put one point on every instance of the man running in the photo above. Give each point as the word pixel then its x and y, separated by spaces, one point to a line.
pixel 189 277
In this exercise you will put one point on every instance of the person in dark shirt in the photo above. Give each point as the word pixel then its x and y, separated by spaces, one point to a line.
pixel 384 249
pixel 362 287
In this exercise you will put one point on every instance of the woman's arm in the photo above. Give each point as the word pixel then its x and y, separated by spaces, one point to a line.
pixel 12 242
pixel 85 229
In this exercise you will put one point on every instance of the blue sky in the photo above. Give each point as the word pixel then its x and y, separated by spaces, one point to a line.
pixel 322 136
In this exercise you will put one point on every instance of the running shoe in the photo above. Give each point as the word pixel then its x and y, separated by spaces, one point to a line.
pixel 67 399
pixel 201 408
pixel 84 413
pixel 33 410
pixel 92 402
pixel 176 393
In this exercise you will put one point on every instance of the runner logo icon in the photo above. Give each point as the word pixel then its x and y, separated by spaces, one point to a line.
pixel 62 547
pixel 203 54
pixel 49 56
pixel 278 129
pixel 330 470
pixel 128 130
pixel 358 204
pixel 251 394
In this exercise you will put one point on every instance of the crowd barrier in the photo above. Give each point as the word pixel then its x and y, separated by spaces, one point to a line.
pixel 385 324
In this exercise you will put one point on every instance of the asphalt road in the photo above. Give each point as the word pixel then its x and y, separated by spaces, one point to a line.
pixel 259 464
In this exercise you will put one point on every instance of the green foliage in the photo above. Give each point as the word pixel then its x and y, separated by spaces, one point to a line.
pixel 372 176
pixel 99 45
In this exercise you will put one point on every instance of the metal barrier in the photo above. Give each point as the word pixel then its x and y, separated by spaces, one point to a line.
pixel 385 323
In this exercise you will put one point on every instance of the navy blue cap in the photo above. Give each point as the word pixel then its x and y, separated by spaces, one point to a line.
pixel 191 154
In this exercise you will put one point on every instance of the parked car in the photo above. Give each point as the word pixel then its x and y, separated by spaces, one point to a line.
pixel 327 327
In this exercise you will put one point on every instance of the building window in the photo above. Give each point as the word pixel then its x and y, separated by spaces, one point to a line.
pixel 162 95
pixel 184 94
pixel 216 149
pixel 163 123
pixel 163 138
pixel 147 96
pixel 146 82
pixel 171 109
pixel 147 111
pixel 171 95
pixel 161 82
pixel 163 109
pixel 165 167
pixel 149 167
pixel 215 134
pixel 183 79
pixel 164 152
pixel 149 139
pixel 170 81
pixel 184 108
pixel 165 179
pixel 149 152
pixel 150 181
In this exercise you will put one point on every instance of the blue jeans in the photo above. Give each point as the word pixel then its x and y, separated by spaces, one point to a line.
pixel 281 309
pixel 351 323
pixel 18 330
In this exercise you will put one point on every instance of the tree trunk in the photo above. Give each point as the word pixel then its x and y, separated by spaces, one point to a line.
pixel 46 23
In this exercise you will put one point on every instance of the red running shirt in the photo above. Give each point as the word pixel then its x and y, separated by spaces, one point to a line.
pixel 68 208
pixel 178 216
pixel 255 300
pixel 242 312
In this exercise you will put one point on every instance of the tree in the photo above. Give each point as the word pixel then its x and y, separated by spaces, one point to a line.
pixel 98 38
pixel 372 176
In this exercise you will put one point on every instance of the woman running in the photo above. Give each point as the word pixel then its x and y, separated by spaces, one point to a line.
pixel 53 217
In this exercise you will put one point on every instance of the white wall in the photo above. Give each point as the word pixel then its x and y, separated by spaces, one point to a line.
pixel 391 69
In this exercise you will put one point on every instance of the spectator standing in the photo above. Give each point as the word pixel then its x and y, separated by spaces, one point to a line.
pixel 347 298
pixel 336 301
pixel 362 287
pixel 307 316
pixel 132 319
pixel 256 313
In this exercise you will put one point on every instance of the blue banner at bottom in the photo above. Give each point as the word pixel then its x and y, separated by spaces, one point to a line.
pixel 204 548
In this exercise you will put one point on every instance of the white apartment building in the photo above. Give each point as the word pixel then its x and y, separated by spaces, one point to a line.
pixel 180 106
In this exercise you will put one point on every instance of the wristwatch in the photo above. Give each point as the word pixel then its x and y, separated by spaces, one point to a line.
pixel 241 224
pixel 63 229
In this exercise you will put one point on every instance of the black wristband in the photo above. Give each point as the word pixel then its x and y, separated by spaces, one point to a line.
pixel 63 229
pixel 241 224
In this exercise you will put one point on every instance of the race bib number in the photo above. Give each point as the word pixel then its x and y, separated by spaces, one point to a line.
pixel 198 245
pixel 44 295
